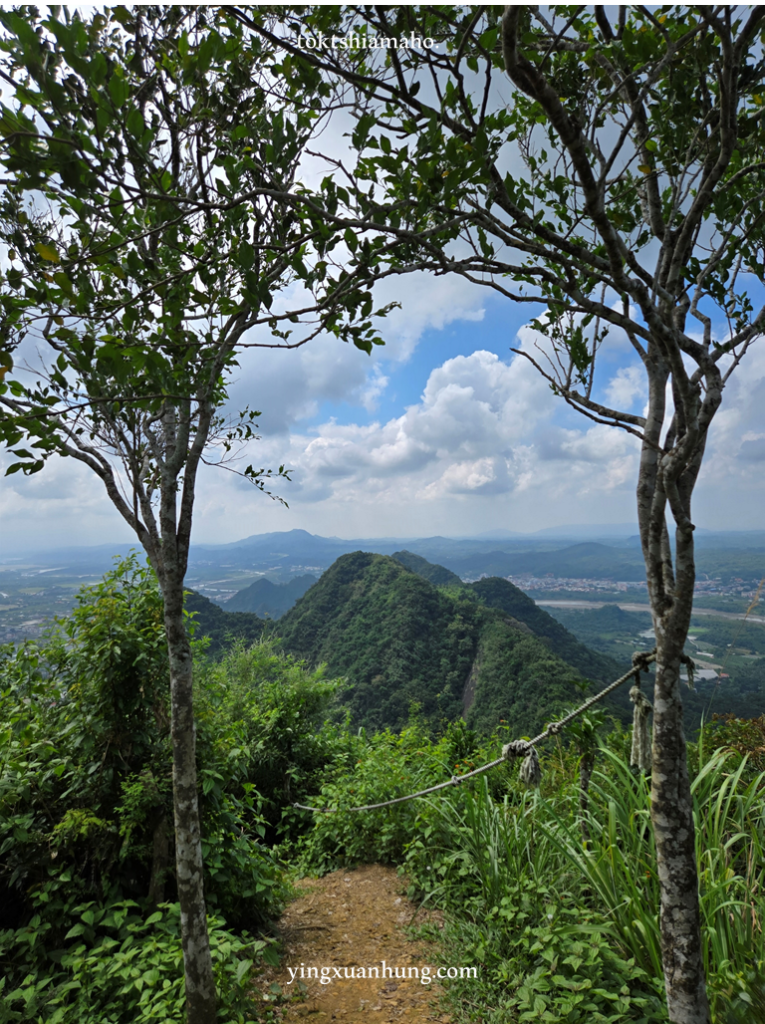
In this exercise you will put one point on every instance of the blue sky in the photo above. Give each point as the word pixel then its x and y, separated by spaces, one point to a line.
pixel 495 332
pixel 443 431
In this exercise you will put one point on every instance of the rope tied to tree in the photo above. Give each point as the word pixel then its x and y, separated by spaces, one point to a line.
pixel 640 754
pixel 690 666
pixel 530 771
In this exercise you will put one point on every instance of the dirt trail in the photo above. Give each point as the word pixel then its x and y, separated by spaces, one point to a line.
pixel 346 922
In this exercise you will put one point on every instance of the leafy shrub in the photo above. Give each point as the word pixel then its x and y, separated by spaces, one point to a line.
pixel 744 736
pixel 86 783
pixel 262 718
pixel 373 771
pixel 541 956
pixel 86 716
pixel 124 969
pixel 86 787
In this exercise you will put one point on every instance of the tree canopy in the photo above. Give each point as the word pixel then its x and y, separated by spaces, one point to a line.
pixel 156 227
pixel 610 175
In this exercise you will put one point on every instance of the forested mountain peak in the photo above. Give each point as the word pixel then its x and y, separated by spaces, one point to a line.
pixel 399 640
pixel 524 613
pixel 220 627
pixel 505 596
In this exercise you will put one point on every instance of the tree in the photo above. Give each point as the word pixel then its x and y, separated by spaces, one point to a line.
pixel 153 213
pixel 611 175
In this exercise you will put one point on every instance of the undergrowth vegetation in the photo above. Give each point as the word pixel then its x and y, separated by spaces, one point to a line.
pixel 556 906
pixel 553 897
pixel 89 926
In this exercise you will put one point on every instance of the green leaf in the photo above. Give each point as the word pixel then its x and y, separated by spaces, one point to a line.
pixel 135 123
pixel 243 967
pixel 119 90
pixel 63 282
pixel 361 132
pixel 122 14
pixel 48 252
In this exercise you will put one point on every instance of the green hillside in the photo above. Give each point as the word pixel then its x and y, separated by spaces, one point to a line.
pixel 504 596
pixel 435 574
pixel 398 639
pixel 270 600
pixel 735 648
pixel 394 636
pixel 501 594
pixel 222 627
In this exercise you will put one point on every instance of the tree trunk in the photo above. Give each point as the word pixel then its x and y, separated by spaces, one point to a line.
pixel 670 591
pixel 672 818
pixel 200 984
pixel 160 855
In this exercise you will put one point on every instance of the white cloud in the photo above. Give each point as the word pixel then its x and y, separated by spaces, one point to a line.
pixel 290 386
pixel 65 503
pixel 481 428
pixel 427 303
pixel 482 476
pixel 627 386
pixel 752 449
pixel 486 446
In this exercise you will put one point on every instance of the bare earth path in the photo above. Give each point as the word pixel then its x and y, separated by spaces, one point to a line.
pixel 347 922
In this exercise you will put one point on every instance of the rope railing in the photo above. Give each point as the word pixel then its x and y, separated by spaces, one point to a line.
pixel 529 771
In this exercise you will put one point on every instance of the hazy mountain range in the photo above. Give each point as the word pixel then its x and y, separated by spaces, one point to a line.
pixel 282 556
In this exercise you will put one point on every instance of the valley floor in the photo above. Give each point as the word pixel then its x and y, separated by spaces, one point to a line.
pixel 626 607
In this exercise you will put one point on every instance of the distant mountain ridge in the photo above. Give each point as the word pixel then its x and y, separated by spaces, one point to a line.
pixel 270 600
pixel 614 558
pixel 610 556
pixel 586 560
pixel 435 574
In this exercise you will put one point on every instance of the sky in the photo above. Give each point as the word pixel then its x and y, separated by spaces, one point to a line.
pixel 444 430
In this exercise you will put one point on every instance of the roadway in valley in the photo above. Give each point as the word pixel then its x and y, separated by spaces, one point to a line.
pixel 644 608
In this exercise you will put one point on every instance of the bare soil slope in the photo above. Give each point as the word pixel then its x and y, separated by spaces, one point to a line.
pixel 353 920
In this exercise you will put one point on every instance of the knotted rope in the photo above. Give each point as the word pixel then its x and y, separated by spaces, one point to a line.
pixel 640 755
pixel 530 772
